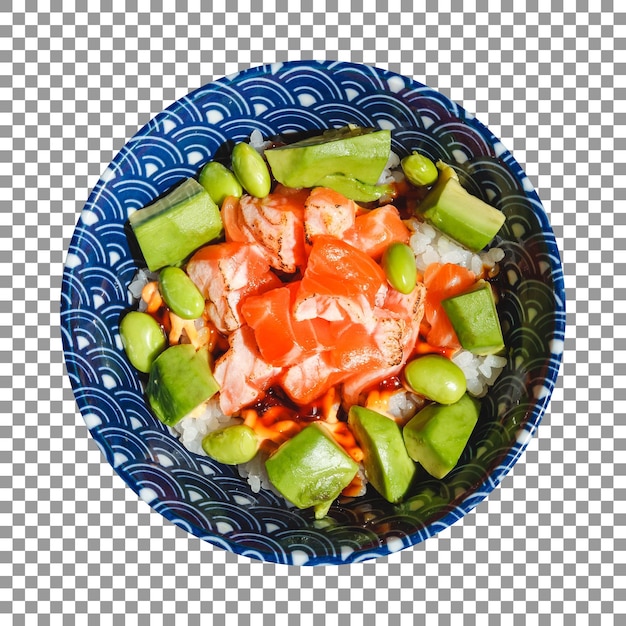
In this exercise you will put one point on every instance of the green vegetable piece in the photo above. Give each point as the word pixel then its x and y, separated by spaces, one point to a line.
pixel 219 182
pixel 354 189
pixel 399 264
pixel 360 153
pixel 438 434
pixel 180 293
pixel 180 381
pixel 387 464
pixel 436 378
pixel 251 170
pixel 474 317
pixel 460 215
pixel 231 445
pixel 311 469
pixel 175 225
pixel 419 170
pixel 143 339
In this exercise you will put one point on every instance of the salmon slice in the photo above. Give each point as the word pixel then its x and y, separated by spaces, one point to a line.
pixel 374 230
pixel 359 349
pixel 276 223
pixel 311 378
pixel 242 373
pixel 327 212
pixel 443 281
pixel 233 228
pixel 339 281
pixel 227 272
pixel 283 340
pixel 407 311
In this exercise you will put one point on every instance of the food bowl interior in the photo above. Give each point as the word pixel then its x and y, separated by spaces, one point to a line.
pixel 212 501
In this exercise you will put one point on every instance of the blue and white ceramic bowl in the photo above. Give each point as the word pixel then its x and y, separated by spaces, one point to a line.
pixel 211 501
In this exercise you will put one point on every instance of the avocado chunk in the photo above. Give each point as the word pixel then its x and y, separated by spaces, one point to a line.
pixel 474 317
pixel 354 189
pixel 359 153
pixel 438 434
pixel 178 223
pixel 311 469
pixel 387 464
pixel 180 381
pixel 453 210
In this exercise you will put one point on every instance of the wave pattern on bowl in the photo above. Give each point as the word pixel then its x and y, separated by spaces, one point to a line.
pixel 212 501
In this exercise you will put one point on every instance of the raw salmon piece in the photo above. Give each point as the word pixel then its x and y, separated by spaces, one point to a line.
pixel 276 223
pixel 241 372
pixel 339 281
pixel 443 281
pixel 361 350
pixel 225 273
pixel 374 230
pixel 231 218
pixel 407 309
pixel 327 212
pixel 310 379
pixel 283 340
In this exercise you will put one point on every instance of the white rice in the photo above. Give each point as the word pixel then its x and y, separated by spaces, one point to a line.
pixel 480 371
pixel 194 427
pixel 141 278
pixel 432 246
pixel 391 172
pixel 258 143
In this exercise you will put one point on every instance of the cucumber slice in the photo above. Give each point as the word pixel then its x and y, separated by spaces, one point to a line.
pixel 171 228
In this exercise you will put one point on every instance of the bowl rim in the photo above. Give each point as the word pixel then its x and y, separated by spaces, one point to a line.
pixel 473 496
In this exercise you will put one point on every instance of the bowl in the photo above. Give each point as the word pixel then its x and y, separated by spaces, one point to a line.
pixel 211 501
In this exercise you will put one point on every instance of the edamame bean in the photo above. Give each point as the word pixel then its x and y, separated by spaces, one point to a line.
pixel 143 339
pixel 180 293
pixel 251 170
pixel 219 182
pixel 398 262
pixel 231 445
pixel 419 169
pixel 437 378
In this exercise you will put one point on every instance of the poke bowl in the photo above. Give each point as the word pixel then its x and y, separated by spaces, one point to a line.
pixel 217 501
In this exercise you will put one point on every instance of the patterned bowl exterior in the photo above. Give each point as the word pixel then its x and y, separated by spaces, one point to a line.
pixel 211 501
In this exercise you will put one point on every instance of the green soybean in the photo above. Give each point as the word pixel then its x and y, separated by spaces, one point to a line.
pixel 231 445
pixel 437 378
pixel 419 170
pixel 219 182
pixel 180 293
pixel 143 339
pixel 398 262
pixel 251 170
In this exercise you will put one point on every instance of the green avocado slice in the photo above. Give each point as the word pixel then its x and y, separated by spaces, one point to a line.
pixel 359 153
pixel 180 381
pixel 311 469
pixel 457 213
pixel 474 317
pixel 178 223
pixel 387 464
pixel 438 434
pixel 354 189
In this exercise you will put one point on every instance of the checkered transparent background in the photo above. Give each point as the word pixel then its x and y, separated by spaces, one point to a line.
pixel 78 79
